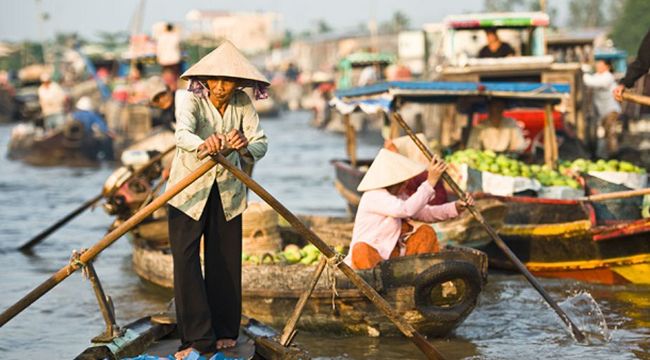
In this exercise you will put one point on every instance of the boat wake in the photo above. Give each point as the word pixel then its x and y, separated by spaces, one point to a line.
pixel 587 315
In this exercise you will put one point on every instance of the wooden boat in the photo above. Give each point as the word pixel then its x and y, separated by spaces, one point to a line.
pixel 256 341
pixel 69 146
pixel 562 239
pixel 411 284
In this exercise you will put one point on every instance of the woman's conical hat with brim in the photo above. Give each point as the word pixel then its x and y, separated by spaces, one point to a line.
pixel 227 60
pixel 389 168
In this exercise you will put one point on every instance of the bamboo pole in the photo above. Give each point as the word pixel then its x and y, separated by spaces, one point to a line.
pixel 407 329
pixel 54 227
pixel 350 140
pixel 289 329
pixel 579 336
pixel 105 242
pixel 550 142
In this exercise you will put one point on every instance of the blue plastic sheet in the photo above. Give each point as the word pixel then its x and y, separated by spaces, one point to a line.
pixel 192 356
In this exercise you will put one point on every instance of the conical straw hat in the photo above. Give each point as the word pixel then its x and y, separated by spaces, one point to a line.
pixel 407 147
pixel 226 60
pixel 389 168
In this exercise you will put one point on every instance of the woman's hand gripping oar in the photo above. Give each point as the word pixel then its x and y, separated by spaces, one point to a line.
pixel 579 336
pixel 105 242
pixel 26 247
pixel 407 329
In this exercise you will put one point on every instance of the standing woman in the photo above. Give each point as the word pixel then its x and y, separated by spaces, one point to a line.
pixel 214 115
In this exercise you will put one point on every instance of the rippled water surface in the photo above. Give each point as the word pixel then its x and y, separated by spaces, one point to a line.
pixel 511 321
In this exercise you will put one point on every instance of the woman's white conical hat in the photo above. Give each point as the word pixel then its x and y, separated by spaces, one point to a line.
pixel 226 60
pixel 389 168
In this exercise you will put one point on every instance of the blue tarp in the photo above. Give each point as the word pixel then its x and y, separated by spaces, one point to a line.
pixel 459 88
pixel 381 96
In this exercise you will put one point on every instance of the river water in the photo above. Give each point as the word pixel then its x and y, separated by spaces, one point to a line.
pixel 511 321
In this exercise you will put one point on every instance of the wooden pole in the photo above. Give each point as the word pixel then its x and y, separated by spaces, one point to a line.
pixel 105 242
pixel 550 139
pixel 617 195
pixel 289 329
pixel 351 140
pixel 636 98
pixel 54 227
pixel 407 329
pixel 579 336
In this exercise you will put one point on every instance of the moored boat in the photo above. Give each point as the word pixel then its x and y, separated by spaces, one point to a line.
pixel 69 146
pixel 561 239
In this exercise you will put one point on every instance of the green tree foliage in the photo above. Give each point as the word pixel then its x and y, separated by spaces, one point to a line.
pixel 322 27
pixel 632 25
pixel 587 13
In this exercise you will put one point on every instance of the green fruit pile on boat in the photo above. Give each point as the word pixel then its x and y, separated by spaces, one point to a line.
pixel 489 161
pixel 584 165
pixel 292 254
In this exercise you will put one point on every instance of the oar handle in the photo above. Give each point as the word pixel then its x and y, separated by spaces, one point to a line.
pixel 105 242
pixel 493 234
pixel 636 98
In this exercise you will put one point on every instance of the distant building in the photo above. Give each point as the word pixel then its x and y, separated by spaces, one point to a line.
pixel 251 32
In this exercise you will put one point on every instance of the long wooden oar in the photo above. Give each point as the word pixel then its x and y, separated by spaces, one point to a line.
pixel 616 195
pixel 54 227
pixel 105 242
pixel 579 336
pixel 407 329
pixel 636 98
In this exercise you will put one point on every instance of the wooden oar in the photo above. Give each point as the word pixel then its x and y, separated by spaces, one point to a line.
pixel 54 227
pixel 636 98
pixel 579 336
pixel 407 329
pixel 105 242
pixel 616 195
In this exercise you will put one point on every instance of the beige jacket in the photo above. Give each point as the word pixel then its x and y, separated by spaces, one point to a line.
pixel 505 137
pixel 196 119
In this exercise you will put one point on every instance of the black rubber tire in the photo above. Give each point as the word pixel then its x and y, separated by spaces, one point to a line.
pixel 439 274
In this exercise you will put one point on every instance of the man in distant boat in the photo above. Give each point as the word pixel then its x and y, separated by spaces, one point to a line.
pixel 495 48
pixel 162 97
pixel 636 69
pixel 214 116
pixel 168 49
pixel 94 124
pixel 498 133
pixel 382 226
pixel 52 99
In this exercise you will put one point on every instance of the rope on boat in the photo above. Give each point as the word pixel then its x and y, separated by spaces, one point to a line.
pixel 332 264
pixel 76 263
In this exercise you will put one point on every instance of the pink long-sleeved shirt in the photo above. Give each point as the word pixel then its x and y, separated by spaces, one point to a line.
pixel 379 217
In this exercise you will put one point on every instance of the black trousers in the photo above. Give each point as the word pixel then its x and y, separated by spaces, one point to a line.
pixel 208 307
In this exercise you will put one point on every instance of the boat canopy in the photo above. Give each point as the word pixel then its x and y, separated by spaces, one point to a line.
pixel 382 96
pixel 363 58
pixel 497 20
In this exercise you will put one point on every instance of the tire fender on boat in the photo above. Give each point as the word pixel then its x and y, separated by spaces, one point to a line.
pixel 439 274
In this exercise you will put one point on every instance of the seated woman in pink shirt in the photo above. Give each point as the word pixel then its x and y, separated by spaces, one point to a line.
pixel 381 228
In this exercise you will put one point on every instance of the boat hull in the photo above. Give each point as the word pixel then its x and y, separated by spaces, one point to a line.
pixel 270 291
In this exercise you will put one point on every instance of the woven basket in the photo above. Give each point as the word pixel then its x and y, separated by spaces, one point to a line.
pixel 260 230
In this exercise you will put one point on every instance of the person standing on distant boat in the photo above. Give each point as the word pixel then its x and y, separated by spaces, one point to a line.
pixel 495 48
pixel 168 49
pixel 603 82
pixel 213 116
pixel 382 227
pixel 52 98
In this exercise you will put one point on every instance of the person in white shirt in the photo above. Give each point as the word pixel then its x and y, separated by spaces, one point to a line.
pixel 603 83
pixel 51 97
pixel 168 49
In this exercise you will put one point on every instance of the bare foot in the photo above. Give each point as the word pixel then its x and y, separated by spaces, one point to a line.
pixel 183 353
pixel 226 343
